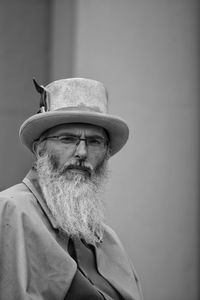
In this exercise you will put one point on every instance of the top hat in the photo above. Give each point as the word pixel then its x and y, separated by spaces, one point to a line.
pixel 74 100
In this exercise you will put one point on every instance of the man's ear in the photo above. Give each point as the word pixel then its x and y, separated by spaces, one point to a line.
pixel 39 148
pixel 34 147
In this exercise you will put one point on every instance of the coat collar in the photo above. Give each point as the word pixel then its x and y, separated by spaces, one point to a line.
pixel 31 181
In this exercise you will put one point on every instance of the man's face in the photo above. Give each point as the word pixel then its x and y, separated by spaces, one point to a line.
pixel 81 156
pixel 72 173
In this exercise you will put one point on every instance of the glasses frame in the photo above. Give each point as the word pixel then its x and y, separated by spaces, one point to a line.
pixel 79 139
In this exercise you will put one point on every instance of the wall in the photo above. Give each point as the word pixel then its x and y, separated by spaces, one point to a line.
pixel 24 36
pixel 147 54
pixel 63 28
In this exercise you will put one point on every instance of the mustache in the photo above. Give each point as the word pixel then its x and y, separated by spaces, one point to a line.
pixel 79 165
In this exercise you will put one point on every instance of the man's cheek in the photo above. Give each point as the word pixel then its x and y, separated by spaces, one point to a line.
pixel 54 162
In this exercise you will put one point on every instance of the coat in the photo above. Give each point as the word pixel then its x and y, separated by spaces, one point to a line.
pixel 34 261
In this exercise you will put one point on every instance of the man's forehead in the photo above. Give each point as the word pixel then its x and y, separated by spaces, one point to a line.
pixel 77 129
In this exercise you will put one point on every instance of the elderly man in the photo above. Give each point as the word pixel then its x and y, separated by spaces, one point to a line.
pixel 54 244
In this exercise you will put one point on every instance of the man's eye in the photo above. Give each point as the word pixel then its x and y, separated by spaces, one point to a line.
pixel 68 139
pixel 94 141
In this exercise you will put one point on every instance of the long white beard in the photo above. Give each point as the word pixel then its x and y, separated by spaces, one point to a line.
pixel 76 202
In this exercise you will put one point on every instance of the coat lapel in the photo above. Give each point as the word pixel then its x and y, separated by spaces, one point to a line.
pixel 114 265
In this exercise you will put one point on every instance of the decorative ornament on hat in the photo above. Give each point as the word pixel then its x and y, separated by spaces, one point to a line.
pixel 43 98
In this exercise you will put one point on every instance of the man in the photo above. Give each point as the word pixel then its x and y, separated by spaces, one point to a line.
pixel 54 244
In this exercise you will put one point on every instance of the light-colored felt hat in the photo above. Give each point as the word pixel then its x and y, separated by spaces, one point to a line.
pixel 74 100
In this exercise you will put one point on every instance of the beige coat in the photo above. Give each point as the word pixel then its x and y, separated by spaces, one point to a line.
pixel 34 262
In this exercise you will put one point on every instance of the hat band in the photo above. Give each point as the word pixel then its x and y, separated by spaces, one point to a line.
pixel 81 107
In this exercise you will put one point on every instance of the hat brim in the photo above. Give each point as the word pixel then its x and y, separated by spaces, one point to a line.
pixel 34 126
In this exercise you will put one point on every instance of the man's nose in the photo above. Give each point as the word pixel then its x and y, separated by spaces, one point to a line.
pixel 81 150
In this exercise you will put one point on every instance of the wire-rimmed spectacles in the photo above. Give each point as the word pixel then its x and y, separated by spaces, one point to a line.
pixel 92 142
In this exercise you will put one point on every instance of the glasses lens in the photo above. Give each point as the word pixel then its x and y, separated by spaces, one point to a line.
pixel 69 140
pixel 95 142
pixel 92 142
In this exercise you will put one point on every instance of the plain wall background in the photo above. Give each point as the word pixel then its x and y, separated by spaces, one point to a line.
pixel 147 54
pixel 24 53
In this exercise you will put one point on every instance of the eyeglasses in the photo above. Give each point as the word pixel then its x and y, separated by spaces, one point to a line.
pixel 93 142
